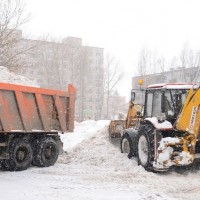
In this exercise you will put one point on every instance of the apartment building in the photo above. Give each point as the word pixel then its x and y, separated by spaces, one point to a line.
pixel 56 64
pixel 174 75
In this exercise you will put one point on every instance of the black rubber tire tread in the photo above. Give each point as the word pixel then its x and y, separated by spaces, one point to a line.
pixel 5 165
pixel 12 164
pixel 35 144
pixel 131 153
pixel 39 158
pixel 2 165
pixel 147 130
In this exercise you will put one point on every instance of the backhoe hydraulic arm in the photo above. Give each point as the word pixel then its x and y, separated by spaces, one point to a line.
pixel 189 119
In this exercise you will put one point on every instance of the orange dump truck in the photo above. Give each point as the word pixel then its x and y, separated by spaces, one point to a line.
pixel 30 120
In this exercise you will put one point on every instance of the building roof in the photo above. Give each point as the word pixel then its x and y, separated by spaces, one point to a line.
pixel 172 86
pixel 179 69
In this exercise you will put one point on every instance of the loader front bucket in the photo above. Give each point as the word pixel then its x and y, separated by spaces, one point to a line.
pixel 116 128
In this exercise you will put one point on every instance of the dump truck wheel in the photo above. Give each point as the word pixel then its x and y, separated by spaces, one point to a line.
pixel 45 152
pixel 145 150
pixel 20 155
pixel 126 146
pixel 1 165
pixel 4 165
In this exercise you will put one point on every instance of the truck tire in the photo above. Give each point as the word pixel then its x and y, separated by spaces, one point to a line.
pixel 20 155
pixel 45 152
pixel 126 145
pixel 145 150
pixel 2 165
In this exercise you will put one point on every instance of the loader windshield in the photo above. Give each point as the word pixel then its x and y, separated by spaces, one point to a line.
pixel 169 101
pixel 140 97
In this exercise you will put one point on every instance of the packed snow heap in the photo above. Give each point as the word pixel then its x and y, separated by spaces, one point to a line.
pixel 9 77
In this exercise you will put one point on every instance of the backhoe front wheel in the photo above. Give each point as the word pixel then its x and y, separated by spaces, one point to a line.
pixel 126 146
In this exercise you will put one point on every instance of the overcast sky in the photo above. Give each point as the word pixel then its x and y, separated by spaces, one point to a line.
pixel 121 27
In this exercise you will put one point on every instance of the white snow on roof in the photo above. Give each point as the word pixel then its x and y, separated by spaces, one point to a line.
pixel 172 86
pixel 160 126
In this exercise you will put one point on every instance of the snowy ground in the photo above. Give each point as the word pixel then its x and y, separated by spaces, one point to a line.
pixel 94 169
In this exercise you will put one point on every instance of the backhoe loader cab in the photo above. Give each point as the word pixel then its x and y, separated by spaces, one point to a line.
pixel 160 138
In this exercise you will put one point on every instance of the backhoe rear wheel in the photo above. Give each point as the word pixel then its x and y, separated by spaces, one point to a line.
pixel 126 146
pixel 146 145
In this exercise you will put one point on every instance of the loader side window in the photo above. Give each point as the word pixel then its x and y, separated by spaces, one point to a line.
pixel 149 104
pixel 179 97
pixel 167 104
pixel 156 103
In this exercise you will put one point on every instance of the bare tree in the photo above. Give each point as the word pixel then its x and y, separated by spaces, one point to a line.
pixel 12 17
pixel 197 59
pixel 112 76
pixel 184 56
pixel 174 62
pixel 161 63
pixel 193 58
pixel 150 62
pixel 188 58
pixel 143 62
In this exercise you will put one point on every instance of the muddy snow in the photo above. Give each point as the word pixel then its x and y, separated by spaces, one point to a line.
pixel 92 167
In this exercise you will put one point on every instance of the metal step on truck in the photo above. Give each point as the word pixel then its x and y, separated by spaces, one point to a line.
pixel 30 120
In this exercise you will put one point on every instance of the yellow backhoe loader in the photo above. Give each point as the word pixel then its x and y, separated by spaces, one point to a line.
pixel 166 133
pixel 116 127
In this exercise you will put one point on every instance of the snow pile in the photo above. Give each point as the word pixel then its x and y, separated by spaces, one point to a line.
pixel 90 138
pixel 82 131
pixel 168 141
pixel 93 168
pixel 9 77
pixel 99 162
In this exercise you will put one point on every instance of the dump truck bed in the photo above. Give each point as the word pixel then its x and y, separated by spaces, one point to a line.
pixel 30 109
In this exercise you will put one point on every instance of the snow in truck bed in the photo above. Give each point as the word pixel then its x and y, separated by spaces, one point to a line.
pixel 9 77
pixel 94 169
